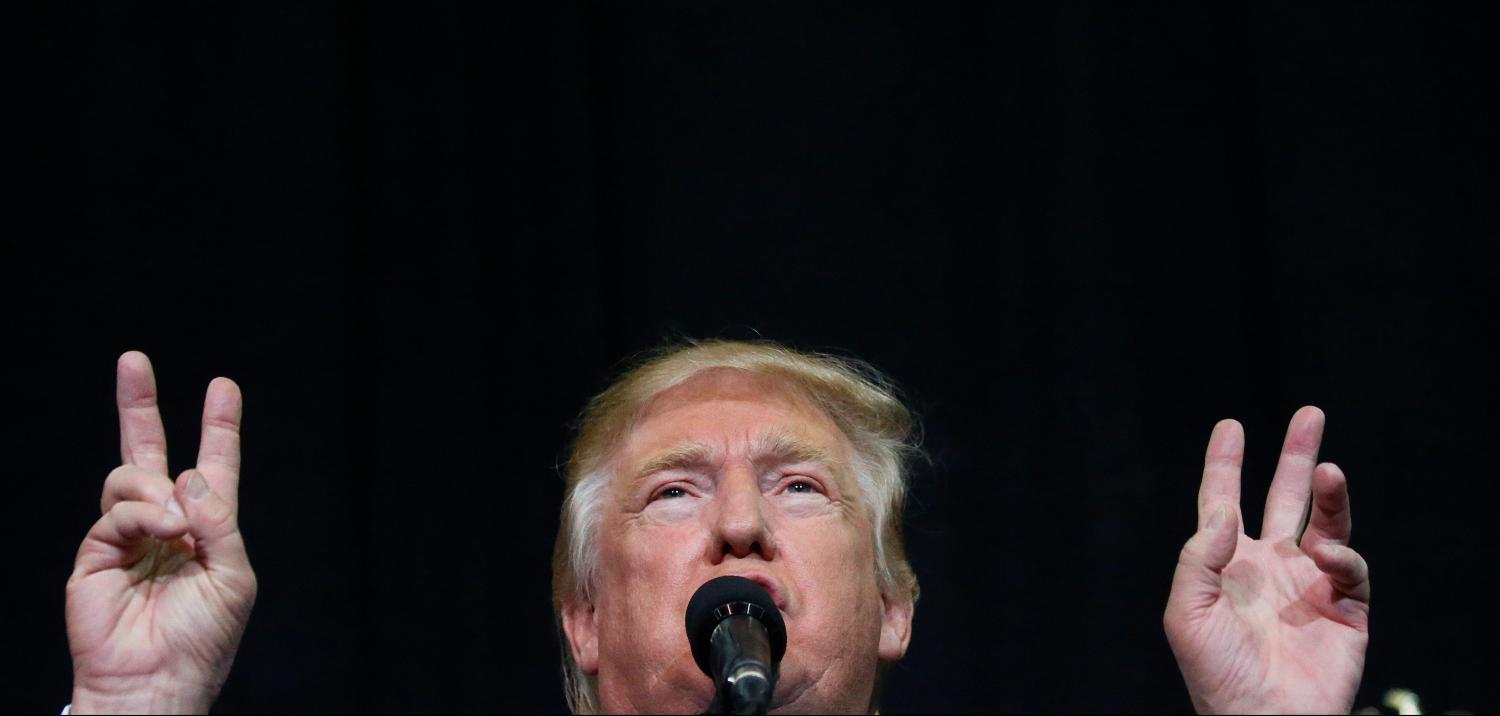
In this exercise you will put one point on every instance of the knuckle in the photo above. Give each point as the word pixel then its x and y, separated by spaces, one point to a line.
pixel 134 477
pixel 218 512
pixel 218 518
pixel 221 423
pixel 1188 554
pixel 126 511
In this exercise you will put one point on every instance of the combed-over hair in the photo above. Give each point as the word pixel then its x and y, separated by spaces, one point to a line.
pixel 860 401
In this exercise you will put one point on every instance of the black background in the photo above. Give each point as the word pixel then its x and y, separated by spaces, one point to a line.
pixel 1078 234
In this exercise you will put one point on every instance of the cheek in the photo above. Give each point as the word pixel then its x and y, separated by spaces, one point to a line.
pixel 822 539
pixel 833 643
pixel 646 579
pixel 834 564
pixel 646 575
pixel 657 549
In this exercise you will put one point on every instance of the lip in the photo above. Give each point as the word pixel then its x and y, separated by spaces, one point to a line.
pixel 778 593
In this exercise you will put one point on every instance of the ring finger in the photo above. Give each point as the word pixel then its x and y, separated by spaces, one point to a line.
pixel 129 483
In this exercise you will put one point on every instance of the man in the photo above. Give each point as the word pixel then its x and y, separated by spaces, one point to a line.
pixel 723 458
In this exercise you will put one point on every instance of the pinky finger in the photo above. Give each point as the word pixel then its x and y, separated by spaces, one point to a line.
pixel 1345 568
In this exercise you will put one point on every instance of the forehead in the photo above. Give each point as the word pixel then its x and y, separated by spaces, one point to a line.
pixel 724 406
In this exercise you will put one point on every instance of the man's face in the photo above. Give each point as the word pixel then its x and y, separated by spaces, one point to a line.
pixel 733 473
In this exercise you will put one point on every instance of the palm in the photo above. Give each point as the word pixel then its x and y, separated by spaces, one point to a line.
pixel 162 588
pixel 1280 623
pixel 1281 629
pixel 160 611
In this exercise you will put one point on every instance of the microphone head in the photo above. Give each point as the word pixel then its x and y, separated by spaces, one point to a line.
pixel 722 597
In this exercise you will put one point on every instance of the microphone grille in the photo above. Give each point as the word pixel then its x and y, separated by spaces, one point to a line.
pixel 722 597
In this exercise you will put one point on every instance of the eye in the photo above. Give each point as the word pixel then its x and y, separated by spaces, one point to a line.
pixel 802 487
pixel 670 493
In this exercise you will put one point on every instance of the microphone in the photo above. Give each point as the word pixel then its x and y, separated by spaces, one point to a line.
pixel 738 639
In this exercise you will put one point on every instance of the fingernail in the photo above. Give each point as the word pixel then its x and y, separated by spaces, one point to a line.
pixel 1218 518
pixel 175 507
pixel 196 488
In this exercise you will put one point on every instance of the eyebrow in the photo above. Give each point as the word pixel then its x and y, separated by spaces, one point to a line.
pixel 768 449
pixel 781 448
pixel 681 457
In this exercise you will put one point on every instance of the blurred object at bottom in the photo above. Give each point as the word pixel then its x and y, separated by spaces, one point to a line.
pixel 1403 702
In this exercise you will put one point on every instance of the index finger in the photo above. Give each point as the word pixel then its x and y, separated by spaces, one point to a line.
pixel 1221 470
pixel 143 440
pixel 219 447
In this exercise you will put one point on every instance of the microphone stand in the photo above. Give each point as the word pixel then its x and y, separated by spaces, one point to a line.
pixel 742 645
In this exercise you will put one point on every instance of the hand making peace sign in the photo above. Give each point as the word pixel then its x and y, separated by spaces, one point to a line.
pixel 162 588
pixel 1277 624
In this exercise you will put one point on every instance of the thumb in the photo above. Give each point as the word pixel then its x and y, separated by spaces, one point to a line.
pixel 1203 558
pixel 211 522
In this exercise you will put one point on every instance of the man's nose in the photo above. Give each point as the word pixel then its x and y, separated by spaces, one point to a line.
pixel 740 523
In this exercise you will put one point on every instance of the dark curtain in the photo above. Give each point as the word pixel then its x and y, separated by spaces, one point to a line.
pixel 420 236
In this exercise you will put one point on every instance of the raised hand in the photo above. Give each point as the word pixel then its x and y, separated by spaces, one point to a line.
pixel 162 588
pixel 1280 623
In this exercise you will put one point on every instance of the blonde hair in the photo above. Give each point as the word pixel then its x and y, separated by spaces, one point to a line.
pixel 860 401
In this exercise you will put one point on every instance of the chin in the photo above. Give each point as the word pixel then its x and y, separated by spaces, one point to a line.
pixel 814 695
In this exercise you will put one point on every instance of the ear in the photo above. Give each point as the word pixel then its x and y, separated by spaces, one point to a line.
pixel 583 635
pixel 895 625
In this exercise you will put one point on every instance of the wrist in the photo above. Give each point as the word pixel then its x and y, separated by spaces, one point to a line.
pixel 141 696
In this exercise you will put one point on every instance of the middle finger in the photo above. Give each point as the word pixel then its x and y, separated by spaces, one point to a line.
pixel 1291 488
